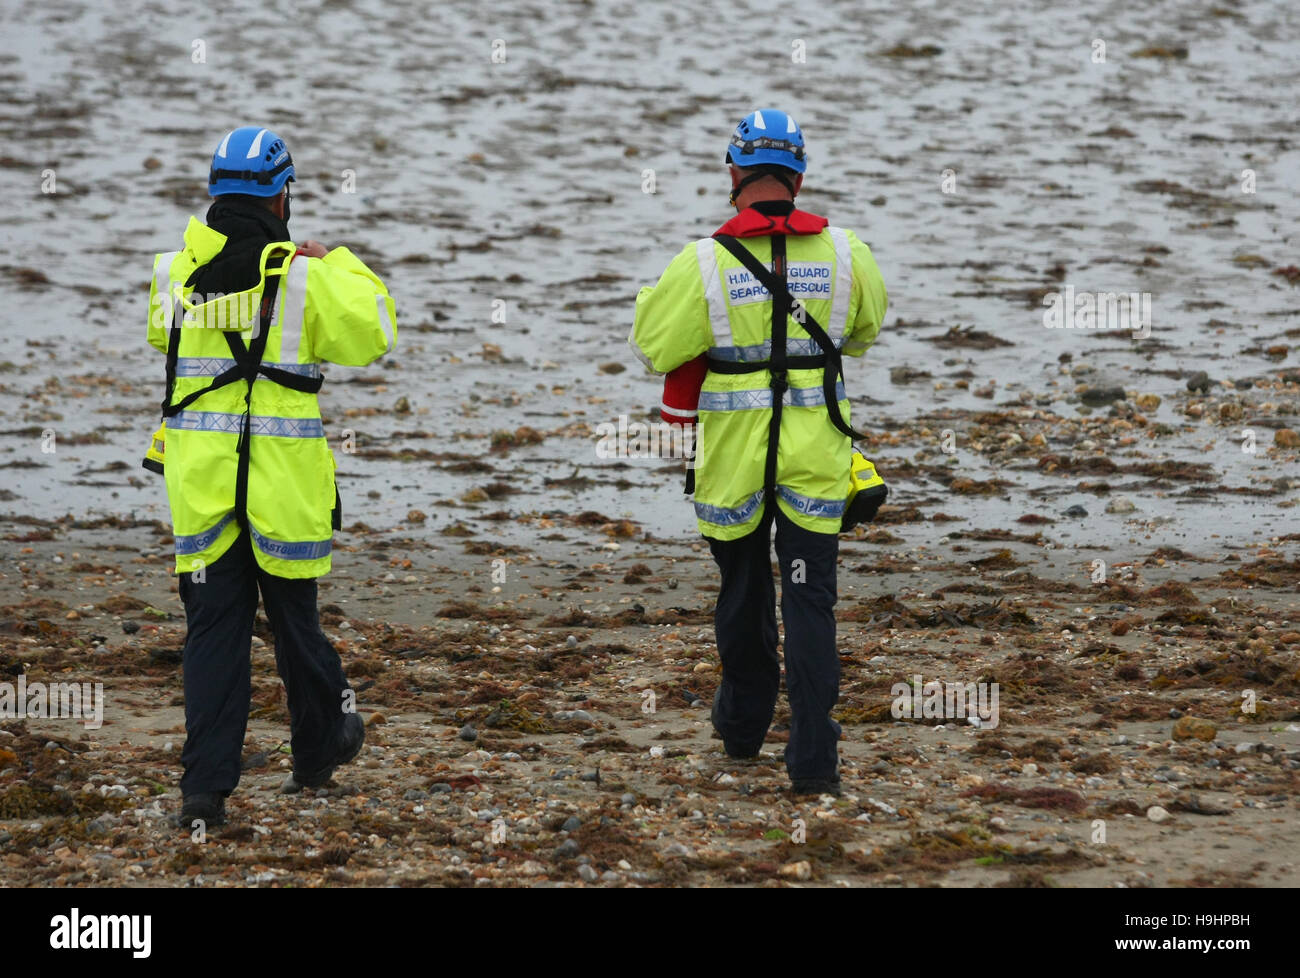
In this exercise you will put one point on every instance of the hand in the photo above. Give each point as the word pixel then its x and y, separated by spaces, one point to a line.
pixel 313 249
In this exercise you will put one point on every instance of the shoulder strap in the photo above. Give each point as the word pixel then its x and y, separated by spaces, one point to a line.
pixel 780 379
pixel 834 367
pixel 248 361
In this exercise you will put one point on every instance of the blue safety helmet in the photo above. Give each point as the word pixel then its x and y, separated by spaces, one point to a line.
pixel 250 160
pixel 767 136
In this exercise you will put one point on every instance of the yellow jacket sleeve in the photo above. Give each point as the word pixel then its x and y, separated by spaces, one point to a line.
pixel 349 319
pixel 160 312
pixel 672 318
pixel 869 299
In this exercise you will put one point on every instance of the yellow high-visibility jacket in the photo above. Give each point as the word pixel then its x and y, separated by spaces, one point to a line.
pixel 332 309
pixel 707 302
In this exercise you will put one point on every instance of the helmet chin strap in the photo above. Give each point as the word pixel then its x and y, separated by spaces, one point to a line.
pixel 735 191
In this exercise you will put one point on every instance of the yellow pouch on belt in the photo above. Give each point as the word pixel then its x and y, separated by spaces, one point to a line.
pixel 866 492
pixel 153 459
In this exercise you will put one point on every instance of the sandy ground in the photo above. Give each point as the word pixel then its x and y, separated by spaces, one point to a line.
pixel 547 680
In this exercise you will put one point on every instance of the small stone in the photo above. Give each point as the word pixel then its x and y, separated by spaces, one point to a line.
pixel 402 406
pixel 1199 381
pixel 580 715
pixel 588 874
pixel 1191 728
pixel 571 642
pixel 376 720
pixel 1244 748
pixel 627 799
pixel 103 825
pixel 572 824
pixel 886 808
pixel 612 368
pixel 1029 769
pixel 1097 396
pixel 1076 512
pixel 468 733
pixel 677 849
pixel 1158 814
pixel 1286 438
pixel 1120 505
pixel 568 849
pixel 415 794
pixel 416 516
pixel 801 870
pixel 1148 402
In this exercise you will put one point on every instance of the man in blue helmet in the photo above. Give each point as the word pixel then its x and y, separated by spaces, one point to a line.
pixel 250 476
pixel 750 326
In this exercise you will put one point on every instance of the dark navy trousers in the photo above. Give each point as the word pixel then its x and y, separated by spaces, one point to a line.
pixel 745 621
pixel 220 612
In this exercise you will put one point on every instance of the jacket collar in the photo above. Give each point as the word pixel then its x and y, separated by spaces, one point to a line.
pixel 766 217
pixel 202 242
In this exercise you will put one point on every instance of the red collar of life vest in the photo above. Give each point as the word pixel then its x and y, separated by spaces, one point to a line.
pixel 753 222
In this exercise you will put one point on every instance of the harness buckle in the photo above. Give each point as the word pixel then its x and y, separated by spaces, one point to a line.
pixel 780 381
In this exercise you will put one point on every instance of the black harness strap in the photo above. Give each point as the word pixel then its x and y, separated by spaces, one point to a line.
pixel 248 364
pixel 833 361
pixel 248 359
pixel 780 382
pixel 754 366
